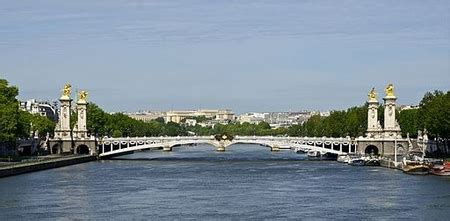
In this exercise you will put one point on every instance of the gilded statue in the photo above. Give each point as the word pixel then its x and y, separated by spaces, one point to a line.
pixel 372 94
pixel 389 90
pixel 82 95
pixel 66 90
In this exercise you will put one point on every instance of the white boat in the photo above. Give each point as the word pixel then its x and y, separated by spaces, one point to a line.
pixel 284 147
pixel 313 153
pixel 372 161
pixel 301 150
pixel 356 162
pixel 344 158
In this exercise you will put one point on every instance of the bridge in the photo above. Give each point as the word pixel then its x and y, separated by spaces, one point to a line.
pixel 378 140
pixel 108 147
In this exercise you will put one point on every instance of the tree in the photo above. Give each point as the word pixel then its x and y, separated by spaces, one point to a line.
pixel 434 111
pixel 42 125
pixel 9 112
pixel 409 122
pixel 96 120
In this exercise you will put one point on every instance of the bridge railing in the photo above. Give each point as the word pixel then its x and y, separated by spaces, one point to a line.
pixel 271 138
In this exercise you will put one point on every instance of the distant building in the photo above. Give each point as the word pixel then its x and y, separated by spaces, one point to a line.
pixel 178 116
pixel 191 122
pixel 252 118
pixel 275 119
pixel 325 113
pixel 42 108
pixel 409 107
pixel 147 116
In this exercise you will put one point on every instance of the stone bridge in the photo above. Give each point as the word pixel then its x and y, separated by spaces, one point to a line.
pixel 117 146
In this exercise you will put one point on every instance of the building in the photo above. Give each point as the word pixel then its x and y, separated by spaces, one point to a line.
pixel 147 116
pixel 252 118
pixel 43 108
pixel 191 122
pixel 179 116
pixel 276 119
pixel 409 107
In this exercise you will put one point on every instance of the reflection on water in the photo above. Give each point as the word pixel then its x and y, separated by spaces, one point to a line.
pixel 245 182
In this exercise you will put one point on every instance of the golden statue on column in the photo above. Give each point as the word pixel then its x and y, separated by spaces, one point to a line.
pixel 390 91
pixel 66 91
pixel 82 96
pixel 372 95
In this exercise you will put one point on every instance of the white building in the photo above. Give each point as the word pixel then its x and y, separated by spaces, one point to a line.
pixel 191 122
pixel 42 108
pixel 253 118
pixel 220 115
pixel 147 116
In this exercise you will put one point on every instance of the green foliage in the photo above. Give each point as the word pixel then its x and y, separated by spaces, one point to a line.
pixel 9 112
pixel 42 125
pixel 34 124
pixel 352 122
pixel 381 114
pixel 101 123
pixel 434 113
pixel 199 119
pixel 73 118
pixel 117 133
pixel 409 122
pixel 15 123
pixel 160 120
pixel 96 119
pixel 244 129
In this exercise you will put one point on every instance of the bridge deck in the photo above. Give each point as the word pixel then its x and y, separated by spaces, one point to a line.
pixel 114 146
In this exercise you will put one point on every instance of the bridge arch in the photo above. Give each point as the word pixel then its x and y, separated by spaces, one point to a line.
pixel 267 145
pixel 82 149
pixel 55 149
pixel 372 150
pixel 192 142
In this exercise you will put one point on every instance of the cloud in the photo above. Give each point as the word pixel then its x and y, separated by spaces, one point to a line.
pixel 205 21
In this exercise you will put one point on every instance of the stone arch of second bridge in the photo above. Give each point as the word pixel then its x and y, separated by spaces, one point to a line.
pixel 270 144
pixel 170 145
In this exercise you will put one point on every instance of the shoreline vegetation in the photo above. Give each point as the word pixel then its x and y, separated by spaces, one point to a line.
pixel 432 114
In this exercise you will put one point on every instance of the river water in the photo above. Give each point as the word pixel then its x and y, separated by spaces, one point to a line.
pixel 245 182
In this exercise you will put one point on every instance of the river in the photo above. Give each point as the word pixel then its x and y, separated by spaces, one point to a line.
pixel 245 182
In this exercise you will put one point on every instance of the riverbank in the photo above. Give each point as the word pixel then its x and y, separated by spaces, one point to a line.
pixel 44 164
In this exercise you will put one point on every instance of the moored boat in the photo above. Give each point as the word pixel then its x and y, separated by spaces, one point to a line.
pixel 356 162
pixel 372 162
pixel 343 158
pixel 313 154
pixel 415 167
pixel 441 169
pixel 328 156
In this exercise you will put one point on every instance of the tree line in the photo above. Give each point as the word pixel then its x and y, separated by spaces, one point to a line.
pixel 100 123
pixel 433 115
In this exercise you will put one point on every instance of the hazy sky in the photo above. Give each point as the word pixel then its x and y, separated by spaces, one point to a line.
pixel 275 55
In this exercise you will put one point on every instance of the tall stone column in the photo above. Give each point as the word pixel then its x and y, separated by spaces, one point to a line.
pixel 81 128
pixel 373 126
pixel 391 127
pixel 62 142
pixel 63 130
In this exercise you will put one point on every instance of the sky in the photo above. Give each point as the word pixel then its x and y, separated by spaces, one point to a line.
pixel 279 55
